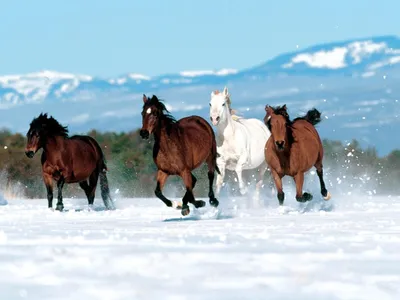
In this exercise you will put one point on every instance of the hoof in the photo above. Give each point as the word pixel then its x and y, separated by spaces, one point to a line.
pixel 304 198
pixel 307 196
pixel 199 203
pixel 214 202
pixel 243 191
pixel 176 204
pixel 327 197
pixel 185 210
pixel 60 207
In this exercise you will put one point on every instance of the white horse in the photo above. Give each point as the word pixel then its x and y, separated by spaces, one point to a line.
pixel 240 141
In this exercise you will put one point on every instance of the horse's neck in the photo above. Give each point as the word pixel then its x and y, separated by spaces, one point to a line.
pixel 162 135
pixel 226 128
pixel 54 143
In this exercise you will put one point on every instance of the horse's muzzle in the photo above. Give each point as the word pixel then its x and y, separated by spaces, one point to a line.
pixel 30 153
pixel 144 134
pixel 215 121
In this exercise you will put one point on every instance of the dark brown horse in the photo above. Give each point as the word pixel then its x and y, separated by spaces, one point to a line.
pixel 293 148
pixel 179 147
pixel 75 159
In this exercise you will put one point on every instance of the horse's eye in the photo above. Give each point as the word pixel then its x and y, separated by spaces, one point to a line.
pixel 223 104
pixel 209 103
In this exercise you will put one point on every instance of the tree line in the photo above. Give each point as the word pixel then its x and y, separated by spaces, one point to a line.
pixel 348 167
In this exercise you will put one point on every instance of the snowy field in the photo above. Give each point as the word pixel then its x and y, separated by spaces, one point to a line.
pixel 349 249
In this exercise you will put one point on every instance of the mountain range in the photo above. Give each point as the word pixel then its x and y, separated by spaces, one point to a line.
pixel 354 83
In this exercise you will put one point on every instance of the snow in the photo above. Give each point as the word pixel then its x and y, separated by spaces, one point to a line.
pixel 390 61
pixel 221 72
pixel 347 249
pixel 138 76
pixel 36 86
pixel 335 58
pixel 332 59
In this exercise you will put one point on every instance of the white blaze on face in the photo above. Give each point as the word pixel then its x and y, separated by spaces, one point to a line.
pixel 148 111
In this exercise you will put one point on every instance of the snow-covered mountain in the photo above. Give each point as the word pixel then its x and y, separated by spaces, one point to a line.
pixel 354 83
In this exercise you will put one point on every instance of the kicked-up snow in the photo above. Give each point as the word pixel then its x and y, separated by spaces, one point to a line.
pixel 348 248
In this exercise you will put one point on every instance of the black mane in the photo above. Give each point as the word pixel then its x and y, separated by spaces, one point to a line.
pixel 50 125
pixel 313 116
pixel 162 110
pixel 281 110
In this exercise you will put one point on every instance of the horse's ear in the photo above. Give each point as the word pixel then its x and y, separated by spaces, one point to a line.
pixel 225 91
pixel 144 98
pixel 284 107
pixel 269 110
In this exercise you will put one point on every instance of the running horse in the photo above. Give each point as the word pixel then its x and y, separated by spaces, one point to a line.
pixel 240 141
pixel 180 146
pixel 65 159
pixel 294 147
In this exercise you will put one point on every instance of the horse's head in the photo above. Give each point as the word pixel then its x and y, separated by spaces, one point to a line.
pixel 39 130
pixel 153 111
pixel 277 120
pixel 219 107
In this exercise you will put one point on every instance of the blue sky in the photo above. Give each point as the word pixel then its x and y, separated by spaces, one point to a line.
pixel 110 38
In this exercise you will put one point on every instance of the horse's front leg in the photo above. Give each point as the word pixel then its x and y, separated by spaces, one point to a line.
pixel 278 184
pixel 48 181
pixel 161 180
pixel 60 184
pixel 239 168
pixel 220 177
pixel 300 196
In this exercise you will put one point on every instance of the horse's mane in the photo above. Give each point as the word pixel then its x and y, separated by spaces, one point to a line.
pixel 162 109
pixel 53 128
pixel 313 116
pixel 281 110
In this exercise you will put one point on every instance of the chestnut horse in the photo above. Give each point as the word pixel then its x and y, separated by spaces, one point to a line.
pixel 65 159
pixel 294 147
pixel 179 147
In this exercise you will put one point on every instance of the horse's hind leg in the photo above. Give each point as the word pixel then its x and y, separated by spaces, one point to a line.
pixel 60 185
pixel 161 179
pixel 320 172
pixel 86 188
pixel 300 196
pixel 93 178
pixel 262 169
pixel 211 173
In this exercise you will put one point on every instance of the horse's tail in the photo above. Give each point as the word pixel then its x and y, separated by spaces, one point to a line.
pixel 104 187
pixel 313 116
pixel 105 191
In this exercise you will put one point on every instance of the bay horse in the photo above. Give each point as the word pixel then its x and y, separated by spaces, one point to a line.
pixel 65 159
pixel 180 146
pixel 240 141
pixel 294 147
